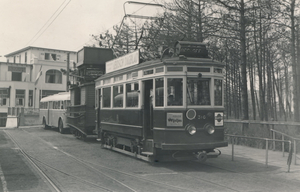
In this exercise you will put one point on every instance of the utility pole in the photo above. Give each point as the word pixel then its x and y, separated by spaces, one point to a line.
pixel 68 69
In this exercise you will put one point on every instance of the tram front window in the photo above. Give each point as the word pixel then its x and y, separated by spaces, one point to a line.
pixel 198 91
pixel 175 93
pixel 218 92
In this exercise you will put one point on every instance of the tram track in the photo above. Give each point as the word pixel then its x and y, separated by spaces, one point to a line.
pixel 33 161
pixel 124 179
pixel 107 172
pixel 29 159
pixel 37 163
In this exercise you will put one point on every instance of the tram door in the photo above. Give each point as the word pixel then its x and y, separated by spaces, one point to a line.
pixel 148 109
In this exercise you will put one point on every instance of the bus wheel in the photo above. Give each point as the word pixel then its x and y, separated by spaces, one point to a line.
pixel 61 127
pixel 44 124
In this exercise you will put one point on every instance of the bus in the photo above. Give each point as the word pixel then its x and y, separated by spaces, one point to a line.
pixel 53 111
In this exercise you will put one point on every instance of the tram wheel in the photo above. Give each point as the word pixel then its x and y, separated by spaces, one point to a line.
pixel 61 127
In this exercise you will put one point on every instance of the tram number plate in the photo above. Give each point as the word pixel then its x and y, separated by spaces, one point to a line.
pixel 175 119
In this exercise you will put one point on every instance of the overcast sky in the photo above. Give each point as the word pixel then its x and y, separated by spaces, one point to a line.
pixel 21 20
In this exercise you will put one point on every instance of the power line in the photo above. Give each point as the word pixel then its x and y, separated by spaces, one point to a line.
pixel 49 23
pixel 117 23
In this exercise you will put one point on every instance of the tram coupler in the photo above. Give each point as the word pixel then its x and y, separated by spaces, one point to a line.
pixel 203 155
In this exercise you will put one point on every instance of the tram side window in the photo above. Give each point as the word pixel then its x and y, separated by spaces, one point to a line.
pixel 198 91
pixel 118 96
pixel 106 97
pixel 175 93
pixel 218 92
pixel 132 95
pixel 159 92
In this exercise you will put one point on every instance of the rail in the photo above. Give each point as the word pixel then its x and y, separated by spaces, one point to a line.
pixel 267 146
pixel 283 135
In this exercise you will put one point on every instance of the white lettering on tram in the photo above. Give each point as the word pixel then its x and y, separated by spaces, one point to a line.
pixel 123 62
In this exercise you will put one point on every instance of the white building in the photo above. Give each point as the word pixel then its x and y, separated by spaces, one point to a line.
pixel 30 74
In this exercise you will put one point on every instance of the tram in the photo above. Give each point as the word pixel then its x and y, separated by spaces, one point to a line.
pixel 168 109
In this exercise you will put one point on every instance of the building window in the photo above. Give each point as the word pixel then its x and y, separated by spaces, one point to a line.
pixel 25 57
pixel 51 56
pixel 20 97
pixel 30 98
pixel 47 56
pixel 3 97
pixel 53 76
pixel 14 59
pixel 16 76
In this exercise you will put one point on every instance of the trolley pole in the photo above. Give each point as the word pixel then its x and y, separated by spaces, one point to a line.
pixel 68 68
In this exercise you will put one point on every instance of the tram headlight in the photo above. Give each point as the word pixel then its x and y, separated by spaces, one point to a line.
pixel 191 114
pixel 209 128
pixel 191 129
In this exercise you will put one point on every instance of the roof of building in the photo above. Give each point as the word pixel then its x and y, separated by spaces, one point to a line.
pixel 30 47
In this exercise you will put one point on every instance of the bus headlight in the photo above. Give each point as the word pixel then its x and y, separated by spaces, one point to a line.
pixel 191 129
pixel 209 128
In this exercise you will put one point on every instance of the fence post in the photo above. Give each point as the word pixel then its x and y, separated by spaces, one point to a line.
pixel 290 156
pixel 282 144
pixel 267 148
pixel 295 151
pixel 232 151
pixel 273 137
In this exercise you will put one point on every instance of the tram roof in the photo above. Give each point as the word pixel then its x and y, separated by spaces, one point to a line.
pixel 179 60
pixel 62 96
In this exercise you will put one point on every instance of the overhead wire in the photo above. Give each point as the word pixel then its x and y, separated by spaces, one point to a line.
pixel 118 22
pixel 49 23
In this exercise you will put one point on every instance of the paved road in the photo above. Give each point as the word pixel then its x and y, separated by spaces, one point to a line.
pixel 74 165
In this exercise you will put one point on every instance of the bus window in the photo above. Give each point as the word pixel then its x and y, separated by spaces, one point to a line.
pixel 159 92
pixel 175 93
pixel 218 92
pixel 118 96
pixel 51 105
pixel 66 104
pixel 198 91
pixel 106 97
pixel 132 95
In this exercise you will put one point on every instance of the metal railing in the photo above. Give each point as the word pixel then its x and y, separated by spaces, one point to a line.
pixel 283 136
pixel 233 137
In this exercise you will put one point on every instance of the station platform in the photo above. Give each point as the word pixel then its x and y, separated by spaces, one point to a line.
pixel 248 159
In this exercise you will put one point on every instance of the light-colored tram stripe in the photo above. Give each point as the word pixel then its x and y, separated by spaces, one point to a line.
pixel 3 181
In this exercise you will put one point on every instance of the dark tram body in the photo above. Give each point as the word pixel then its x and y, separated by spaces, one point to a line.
pixel 81 115
pixel 163 110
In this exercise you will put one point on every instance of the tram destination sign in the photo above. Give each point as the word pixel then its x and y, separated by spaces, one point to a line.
pixel 123 62
pixel 191 49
